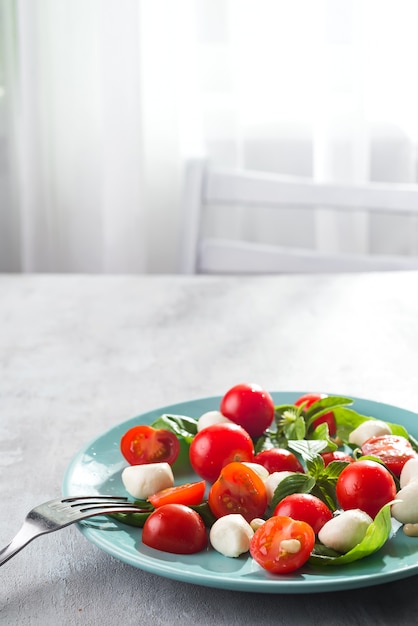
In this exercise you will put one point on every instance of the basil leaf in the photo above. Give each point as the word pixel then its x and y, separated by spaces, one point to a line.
pixel 180 425
pixel 138 518
pixel 325 404
pixel 376 536
pixel 205 513
pixel 308 448
pixel 296 483
pixel 334 469
pixel 347 420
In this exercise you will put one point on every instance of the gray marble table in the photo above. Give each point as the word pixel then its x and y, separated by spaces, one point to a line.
pixel 78 354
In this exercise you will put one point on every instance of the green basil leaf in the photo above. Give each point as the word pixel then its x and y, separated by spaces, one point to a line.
pixel 325 404
pixel 296 483
pixel 315 466
pixel 180 425
pixel 376 536
pixel 307 448
pixel 205 513
pixel 334 469
pixel 347 420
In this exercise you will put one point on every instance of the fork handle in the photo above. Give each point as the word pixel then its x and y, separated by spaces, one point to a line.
pixel 19 541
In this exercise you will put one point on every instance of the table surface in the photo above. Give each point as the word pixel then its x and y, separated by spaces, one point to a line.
pixel 79 354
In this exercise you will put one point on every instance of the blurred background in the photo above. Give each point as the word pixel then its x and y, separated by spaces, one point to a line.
pixel 102 102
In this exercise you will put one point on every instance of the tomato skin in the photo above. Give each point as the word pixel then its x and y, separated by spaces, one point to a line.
pixel 279 460
pixel 145 444
pixel 238 490
pixel 337 455
pixel 269 552
pixel 175 528
pixel 365 485
pixel 250 406
pixel 328 418
pixel 216 446
pixel 394 451
pixel 305 508
pixel 189 493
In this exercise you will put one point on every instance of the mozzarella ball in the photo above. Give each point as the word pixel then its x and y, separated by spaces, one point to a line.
pixel 346 530
pixel 231 535
pixel 370 428
pixel 211 417
pixel 405 508
pixel 142 481
pixel 273 480
pixel 409 472
pixel 260 470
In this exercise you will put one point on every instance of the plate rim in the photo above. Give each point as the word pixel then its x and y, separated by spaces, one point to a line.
pixel 268 583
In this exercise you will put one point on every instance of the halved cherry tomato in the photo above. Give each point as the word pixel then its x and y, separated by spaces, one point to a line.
pixel 337 455
pixel 279 460
pixel 189 493
pixel 238 490
pixel 365 485
pixel 306 508
pixel 328 418
pixel 216 446
pixel 145 444
pixel 394 451
pixel 250 406
pixel 282 545
pixel 175 528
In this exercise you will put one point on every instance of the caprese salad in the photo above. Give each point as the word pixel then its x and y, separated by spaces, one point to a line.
pixel 309 482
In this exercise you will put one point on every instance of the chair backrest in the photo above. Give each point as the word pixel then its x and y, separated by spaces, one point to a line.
pixel 206 187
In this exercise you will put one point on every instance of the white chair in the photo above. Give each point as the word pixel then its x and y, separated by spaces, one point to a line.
pixel 206 187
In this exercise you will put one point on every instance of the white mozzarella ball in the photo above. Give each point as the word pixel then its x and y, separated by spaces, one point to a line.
pixel 231 535
pixel 211 417
pixel 405 508
pixel 272 482
pixel 369 428
pixel 346 530
pixel 260 470
pixel 409 472
pixel 142 481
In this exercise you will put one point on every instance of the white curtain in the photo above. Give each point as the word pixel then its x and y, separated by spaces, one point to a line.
pixel 101 102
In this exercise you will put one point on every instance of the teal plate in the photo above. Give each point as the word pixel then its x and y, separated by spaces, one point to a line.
pixel 96 469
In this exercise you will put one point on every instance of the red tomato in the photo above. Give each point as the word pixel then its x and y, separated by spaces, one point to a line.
pixel 189 493
pixel 238 490
pixel 394 451
pixel 250 406
pixel 337 455
pixel 328 418
pixel 175 528
pixel 279 460
pixel 145 444
pixel 365 485
pixel 305 508
pixel 216 446
pixel 273 548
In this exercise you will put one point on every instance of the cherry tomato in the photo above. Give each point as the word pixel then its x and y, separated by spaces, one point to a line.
pixel 282 545
pixel 305 508
pixel 175 528
pixel 328 418
pixel 238 490
pixel 279 460
pixel 189 493
pixel 394 451
pixel 145 444
pixel 365 485
pixel 337 455
pixel 216 446
pixel 250 406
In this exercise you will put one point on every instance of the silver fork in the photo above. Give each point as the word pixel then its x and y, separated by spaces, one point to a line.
pixel 62 512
